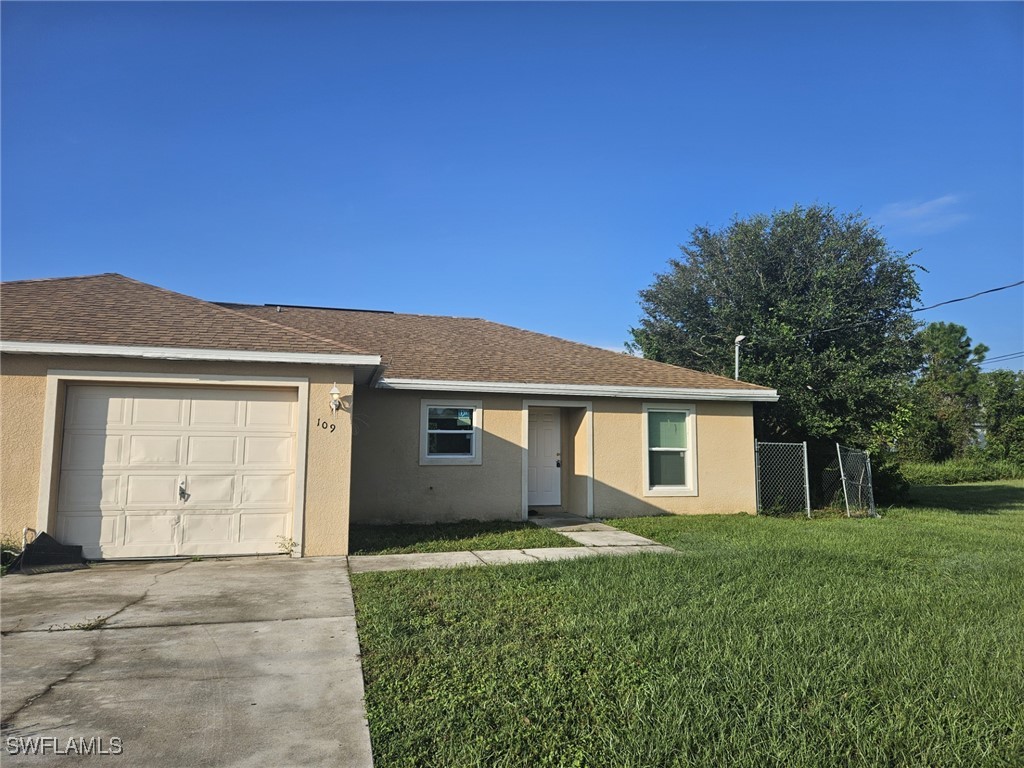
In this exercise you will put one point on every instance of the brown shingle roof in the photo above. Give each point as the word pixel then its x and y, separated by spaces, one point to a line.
pixel 468 349
pixel 116 310
pixel 111 309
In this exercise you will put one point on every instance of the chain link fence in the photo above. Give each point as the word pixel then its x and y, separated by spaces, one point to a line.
pixel 784 484
pixel 782 487
pixel 855 469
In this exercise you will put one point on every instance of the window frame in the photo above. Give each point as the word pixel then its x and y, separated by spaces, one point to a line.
pixel 689 453
pixel 476 458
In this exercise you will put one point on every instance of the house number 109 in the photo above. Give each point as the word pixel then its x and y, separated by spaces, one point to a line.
pixel 324 425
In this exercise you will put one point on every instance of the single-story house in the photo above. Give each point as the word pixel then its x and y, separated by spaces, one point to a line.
pixel 139 422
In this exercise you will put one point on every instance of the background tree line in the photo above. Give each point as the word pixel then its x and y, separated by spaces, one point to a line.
pixel 827 308
pixel 958 410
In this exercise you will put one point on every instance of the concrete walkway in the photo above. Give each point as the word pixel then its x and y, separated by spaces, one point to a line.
pixel 596 538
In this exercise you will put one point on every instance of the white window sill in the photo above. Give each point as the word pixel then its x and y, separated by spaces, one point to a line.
pixel 450 461
pixel 670 490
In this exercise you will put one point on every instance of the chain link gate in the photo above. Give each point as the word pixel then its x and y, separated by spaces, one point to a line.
pixel 781 478
pixel 855 472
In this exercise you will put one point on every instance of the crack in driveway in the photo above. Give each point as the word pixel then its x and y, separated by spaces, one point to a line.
pixel 144 595
pixel 239 657
pixel 99 622
pixel 8 722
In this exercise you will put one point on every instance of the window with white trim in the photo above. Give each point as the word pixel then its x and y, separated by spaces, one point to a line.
pixel 450 431
pixel 669 451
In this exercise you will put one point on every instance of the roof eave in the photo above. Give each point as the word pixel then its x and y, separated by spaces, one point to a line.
pixel 583 390
pixel 185 353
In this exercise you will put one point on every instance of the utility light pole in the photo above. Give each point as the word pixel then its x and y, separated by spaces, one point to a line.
pixel 739 340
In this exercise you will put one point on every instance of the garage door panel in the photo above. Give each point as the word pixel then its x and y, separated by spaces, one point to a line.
pixel 147 450
pixel 128 449
pixel 275 490
pixel 216 412
pixel 273 450
pixel 262 527
pixel 89 491
pixel 217 490
pixel 209 528
pixel 89 531
pixel 94 407
pixel 158 411
pixel 270 414
pixel 147 529
pixel 212 450
pixel 141 549
pixel 161 490
pixel 81 450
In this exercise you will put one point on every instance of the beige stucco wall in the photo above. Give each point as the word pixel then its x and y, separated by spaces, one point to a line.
pixel 389 485
pixel 22 406
pixel 724 456
pixel 577 456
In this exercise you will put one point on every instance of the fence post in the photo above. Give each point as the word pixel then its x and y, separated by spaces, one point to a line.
pixel 842 479
pixel 757 477
pixel 807 483
pixel 871 484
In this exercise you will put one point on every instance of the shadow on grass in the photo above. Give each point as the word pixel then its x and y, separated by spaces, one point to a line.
pixel 987 499
pixel 449 537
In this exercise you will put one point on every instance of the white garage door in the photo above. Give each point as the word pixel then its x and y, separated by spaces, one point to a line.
pixel 155 471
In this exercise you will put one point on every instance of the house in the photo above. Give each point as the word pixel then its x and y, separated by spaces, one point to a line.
pixel 139 422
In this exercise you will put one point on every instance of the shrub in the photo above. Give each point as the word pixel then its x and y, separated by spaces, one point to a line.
pixel 889 480
pixel 10 548
pixel 974 470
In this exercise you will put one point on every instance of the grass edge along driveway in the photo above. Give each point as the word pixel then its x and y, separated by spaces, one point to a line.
pixel 766 642
pixel 464 536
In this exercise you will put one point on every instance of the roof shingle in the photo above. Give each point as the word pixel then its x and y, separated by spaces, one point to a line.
pixel 111 309
pixel 116 310
pixel 469 349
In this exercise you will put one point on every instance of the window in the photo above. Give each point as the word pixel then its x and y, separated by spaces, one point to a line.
pixel 450 431
pixel 669 437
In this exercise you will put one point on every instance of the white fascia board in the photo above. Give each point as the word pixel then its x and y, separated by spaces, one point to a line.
pixel 583 390
pixel 185 353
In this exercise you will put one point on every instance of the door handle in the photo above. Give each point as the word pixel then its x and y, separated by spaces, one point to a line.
pixel 558 463
pixel 183 495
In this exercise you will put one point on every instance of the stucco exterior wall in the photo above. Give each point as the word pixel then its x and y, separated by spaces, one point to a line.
pixel 578 459
pixel 724 457
pixel 389 485
pixel 23 381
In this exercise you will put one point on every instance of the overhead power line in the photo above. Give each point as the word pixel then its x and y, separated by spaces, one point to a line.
pixel 997 358
pixel 918 309
pixel 1003 359
pixel 972 296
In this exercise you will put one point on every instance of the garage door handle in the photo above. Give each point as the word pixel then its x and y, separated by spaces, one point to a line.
pixel 182 493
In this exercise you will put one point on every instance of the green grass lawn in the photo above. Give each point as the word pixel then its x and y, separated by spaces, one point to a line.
pixel 450 537
pixel 766 642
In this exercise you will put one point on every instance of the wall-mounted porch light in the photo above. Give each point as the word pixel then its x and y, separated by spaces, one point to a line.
pixel 335 398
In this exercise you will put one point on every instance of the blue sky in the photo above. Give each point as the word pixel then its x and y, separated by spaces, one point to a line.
pixel 534 164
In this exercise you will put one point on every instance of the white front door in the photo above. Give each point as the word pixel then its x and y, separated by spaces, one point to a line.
pixel 544 487
pixel 156 471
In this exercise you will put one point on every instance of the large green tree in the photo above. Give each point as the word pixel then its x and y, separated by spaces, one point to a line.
pixel 825 305
pixel 1001 395
pixel 946 395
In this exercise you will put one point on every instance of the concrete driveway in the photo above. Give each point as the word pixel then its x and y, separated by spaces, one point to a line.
pixel 234 662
